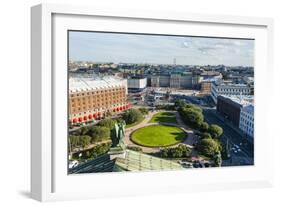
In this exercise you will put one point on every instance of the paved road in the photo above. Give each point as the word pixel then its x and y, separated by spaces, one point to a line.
pixel 246 155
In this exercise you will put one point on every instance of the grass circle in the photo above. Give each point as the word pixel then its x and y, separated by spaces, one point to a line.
pixel 158 136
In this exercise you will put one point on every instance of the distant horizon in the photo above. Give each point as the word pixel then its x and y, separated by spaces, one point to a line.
pixel 160 64
pixel 125 48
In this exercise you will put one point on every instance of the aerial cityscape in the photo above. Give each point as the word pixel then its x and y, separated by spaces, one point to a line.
pixel 141 102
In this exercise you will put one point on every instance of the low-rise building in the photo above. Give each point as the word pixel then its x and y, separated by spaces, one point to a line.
pixel 206 85
pixel 219 88
pixel 136 84
pixel 211 74
pixel 185 80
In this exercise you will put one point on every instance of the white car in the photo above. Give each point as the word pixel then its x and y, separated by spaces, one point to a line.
pixel 73 164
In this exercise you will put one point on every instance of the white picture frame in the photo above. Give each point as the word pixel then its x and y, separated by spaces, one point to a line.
pixel 48 179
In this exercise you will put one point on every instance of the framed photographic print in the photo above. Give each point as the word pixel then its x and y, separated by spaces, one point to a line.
pixel 137 102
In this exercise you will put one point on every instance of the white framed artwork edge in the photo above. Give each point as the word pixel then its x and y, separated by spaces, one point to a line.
pixel 44 186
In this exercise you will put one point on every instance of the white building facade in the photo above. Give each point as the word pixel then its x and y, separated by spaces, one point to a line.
pixel 219 88
pixel 137 83
pixel 246 123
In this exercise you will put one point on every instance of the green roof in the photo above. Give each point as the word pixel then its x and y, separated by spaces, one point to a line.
pixel 137 161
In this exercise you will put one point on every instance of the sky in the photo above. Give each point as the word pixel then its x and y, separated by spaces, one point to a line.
pixel 155 49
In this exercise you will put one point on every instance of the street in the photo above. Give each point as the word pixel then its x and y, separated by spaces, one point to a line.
pixel 245 155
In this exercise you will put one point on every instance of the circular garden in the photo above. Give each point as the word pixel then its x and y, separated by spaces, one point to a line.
pixel 158 136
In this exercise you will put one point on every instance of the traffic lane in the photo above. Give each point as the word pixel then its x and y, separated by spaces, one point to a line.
pixel 233 139
pixel 230 134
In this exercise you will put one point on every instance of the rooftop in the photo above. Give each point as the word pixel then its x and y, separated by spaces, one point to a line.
pixel 137 161
pixel 243 100
pixel 229 83
pixel 249 108
pixel 78 84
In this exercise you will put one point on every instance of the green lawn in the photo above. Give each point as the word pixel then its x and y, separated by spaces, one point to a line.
pixel 158 136
pixel 165 117
pixel 135 123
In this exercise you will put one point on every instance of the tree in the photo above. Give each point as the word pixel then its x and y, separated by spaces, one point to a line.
pixel 208 147
pixel 74 141
pixel 206 135
pixel 180 103
pixel 132 116
pixel 204 127
pixel 85 140
pixel 192 117
pixel 108 123
pixel 215 131
pixel 99 133
pixel 143 110
pixel 218 159
pixel 194 107
pixel 83 130
pixel 176 152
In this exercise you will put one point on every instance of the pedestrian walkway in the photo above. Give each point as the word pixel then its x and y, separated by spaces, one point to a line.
pixel 190 140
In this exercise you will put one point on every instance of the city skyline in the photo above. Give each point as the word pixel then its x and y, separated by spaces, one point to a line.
pixel 159 49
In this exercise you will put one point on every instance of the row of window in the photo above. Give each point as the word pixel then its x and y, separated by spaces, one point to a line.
pixel 248 130
pixel 98 99
pixel 98 92
pixel 90 107
pixel 247 116
pixel 79 113
pixel 233 90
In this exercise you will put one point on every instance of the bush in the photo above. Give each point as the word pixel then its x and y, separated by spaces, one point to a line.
pixel 93 152
pixel 164 153
pixel 176 152
pixel 132 116
pixel 143 110
pixel 215 130
pixel 134 148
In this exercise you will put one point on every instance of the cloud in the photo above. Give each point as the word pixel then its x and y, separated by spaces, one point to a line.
pixel 131 48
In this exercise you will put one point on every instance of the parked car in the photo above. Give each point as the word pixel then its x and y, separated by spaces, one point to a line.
pixel 73 164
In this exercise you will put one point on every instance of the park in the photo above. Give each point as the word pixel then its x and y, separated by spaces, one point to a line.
pixel 178 134
pixel 158 136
